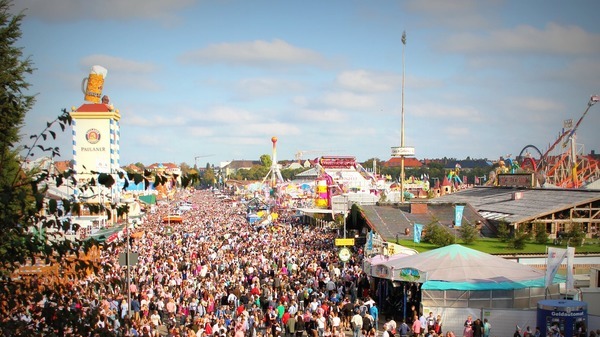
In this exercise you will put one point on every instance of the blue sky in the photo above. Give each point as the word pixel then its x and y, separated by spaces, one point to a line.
pixel 218 79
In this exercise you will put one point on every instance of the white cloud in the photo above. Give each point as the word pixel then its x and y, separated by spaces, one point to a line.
pixel 327 115
pixel 459 14
pixel 199 131
pixel 553 39
pixel 124 73
pixel 456 131
pixel 255 53
pixel 118 64
pixel 444 111
pixel 538 104
pixel 260 87
pixel 77 10
pixel 368 81
pixel 349 100
pixel 227 115
pixel 266 129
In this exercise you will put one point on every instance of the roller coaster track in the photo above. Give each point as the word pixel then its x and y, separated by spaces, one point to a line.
pixel 566 168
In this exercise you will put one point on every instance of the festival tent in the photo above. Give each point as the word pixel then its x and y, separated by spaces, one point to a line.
pixel 456 267
pixel 375 266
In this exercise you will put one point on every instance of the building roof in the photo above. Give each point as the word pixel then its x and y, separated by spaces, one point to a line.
pixel 498 203
pixel 92 107
pixel 388 221
pixel 408 162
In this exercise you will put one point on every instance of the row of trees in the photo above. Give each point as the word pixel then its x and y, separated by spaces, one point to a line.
pixel 515 239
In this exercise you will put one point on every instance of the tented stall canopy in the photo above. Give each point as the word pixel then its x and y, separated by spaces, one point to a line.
pixel 456 267
pixel 459 277
pixel 376 266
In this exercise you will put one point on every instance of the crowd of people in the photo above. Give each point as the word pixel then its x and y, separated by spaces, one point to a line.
pixel 217 275
pixel 212 275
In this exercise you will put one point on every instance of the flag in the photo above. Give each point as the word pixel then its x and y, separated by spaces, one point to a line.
pixel 370 241
pixel 418 228
pixel 458 214
pixel 555 258
pixel 570 258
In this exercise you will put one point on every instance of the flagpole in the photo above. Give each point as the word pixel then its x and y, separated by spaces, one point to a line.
pixel 545 276
pixel 567 270
pixel 402 124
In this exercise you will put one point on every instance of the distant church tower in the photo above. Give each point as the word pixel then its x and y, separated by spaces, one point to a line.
pixel 96 137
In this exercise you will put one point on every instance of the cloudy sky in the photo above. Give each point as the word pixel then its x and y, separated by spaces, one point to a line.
pixel 217 79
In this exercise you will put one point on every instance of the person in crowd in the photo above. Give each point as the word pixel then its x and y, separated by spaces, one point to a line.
pixel 487 328
pixel 477 328
pixel 416 326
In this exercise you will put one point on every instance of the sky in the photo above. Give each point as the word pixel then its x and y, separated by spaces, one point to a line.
pixel 213 81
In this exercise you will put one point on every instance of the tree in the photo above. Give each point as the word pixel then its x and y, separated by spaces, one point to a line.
pixel 468 233
pixel 540 233
pixel 519 238
pixel 437 235
pixel 266 161
pixel 503 231
pixel 15 242
pixel 575 234
pixel 185 168
pixel 208 177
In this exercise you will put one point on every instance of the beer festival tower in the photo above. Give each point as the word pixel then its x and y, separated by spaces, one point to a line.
pixel 96 138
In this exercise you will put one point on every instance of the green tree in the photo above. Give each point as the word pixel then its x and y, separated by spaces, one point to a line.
pixel 540 233
pixel 468 233
pixel 519 238
pixel 575 234
pixel 16 203
pixel 266 161
pixel 185 168
pixel 503 231
pixel 208 177
pixel 437 235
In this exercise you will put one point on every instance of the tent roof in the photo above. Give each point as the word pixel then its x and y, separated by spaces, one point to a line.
pixel 459 264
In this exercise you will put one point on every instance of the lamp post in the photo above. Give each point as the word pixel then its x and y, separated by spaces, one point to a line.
pixel 402 126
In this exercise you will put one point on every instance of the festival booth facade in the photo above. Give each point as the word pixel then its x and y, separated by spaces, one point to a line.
pixel 459 277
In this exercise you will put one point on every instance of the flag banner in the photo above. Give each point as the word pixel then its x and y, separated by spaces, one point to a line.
pixel 555 258
pixel 417 230
pixel 570 258
pixel 458 214
pixel 370 241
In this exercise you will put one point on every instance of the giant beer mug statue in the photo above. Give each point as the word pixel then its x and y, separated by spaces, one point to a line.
pixel 92 85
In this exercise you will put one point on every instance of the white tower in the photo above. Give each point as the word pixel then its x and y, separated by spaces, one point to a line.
pixel 96 134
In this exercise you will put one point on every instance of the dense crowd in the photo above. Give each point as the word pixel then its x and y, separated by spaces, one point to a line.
pixel 217 275
pixel 212 275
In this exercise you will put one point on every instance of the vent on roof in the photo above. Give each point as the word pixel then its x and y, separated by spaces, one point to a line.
pixel 517 196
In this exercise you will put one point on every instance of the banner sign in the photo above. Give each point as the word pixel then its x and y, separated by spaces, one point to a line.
pixel 458 215
pixel 555 258
pixel 417 230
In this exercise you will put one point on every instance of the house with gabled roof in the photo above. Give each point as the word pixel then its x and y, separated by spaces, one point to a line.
pixel 409 162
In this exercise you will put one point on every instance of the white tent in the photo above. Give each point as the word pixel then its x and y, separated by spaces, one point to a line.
pixel 456 267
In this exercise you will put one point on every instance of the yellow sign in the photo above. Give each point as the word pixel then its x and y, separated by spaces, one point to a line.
pixel 344 242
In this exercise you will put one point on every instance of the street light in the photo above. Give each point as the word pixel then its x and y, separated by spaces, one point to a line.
pixel 127 202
